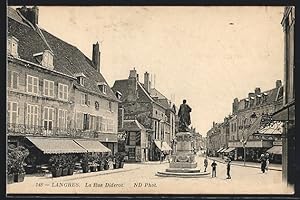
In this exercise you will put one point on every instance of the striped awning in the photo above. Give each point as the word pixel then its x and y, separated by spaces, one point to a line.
pixel 92 145
pixel 229 150
pixel 275 150
pixel 163 146
pixel 56 145
pixel 220 150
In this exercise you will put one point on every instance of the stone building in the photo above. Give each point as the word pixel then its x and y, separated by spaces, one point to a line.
pixel 57 99
pixel 145 104
pixel 286 114
pixel 245 112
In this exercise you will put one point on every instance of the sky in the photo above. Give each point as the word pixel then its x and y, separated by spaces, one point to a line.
pixel 206 55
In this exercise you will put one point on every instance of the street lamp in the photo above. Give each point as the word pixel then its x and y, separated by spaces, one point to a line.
pixel 245 138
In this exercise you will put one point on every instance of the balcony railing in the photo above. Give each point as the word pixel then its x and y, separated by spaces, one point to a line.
pixel 30 130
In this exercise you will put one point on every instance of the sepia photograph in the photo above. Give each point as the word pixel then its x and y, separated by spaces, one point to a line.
pixel 172 100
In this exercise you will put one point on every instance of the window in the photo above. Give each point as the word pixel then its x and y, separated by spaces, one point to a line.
pixel 48 88
pixel 62 92
pixel 85 99
pixel 96 105
pixel 12 46
pixel 47 60
pixel 62 119
pixel 79 120
pixel 48 118
pixel 32 84
pixel 102 87
pixel 132 137
pixel 12 109
pixel 110 106
pixel 13 79
pixel 93 123
pixel 81 80
pixel 32 115
pixel 85 121
pixel 110 125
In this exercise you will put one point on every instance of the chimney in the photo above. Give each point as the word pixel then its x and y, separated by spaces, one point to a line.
pixel 31 14
pixel 251 94
pixel 96 56
pixel 132 86
pixel 235 105
pixel 147 82
pixel 278 83
pixel 257 90
pixel 132 74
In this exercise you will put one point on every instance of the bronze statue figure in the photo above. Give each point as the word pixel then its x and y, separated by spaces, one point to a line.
pixel 184 116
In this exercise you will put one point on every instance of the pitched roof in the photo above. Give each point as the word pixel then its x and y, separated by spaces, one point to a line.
pixel 133 125
pixel 67 58
pixel 155 93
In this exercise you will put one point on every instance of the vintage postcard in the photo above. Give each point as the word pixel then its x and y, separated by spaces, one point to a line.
pixel 150 100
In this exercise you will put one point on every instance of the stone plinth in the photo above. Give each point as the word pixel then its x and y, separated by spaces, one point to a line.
pixel 183 163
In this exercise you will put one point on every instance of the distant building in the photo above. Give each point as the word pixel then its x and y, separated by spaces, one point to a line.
pixel 150 108
pixel 260 104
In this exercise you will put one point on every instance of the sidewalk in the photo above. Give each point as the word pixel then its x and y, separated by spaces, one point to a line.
pixel 276 167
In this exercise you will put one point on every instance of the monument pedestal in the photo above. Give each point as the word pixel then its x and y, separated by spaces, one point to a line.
pixel 183 163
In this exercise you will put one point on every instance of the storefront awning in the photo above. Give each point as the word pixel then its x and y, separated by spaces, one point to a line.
pixel 56 145
pixel 229 150
pixel 220 150
pixel 92 145
pixel 275 150
pixel 223 150
pixel 163 146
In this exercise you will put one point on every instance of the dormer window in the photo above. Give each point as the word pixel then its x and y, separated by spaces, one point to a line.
pixel 102 87
pixel 80 78
pixel 12 46
pixel 47 60
pixel 258 99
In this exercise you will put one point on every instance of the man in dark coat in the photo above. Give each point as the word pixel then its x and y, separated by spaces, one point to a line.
pixel 184 116
pixel 228 168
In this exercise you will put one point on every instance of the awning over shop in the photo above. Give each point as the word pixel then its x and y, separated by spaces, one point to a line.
pixel 56 145
pixel 220 150
pixel 223 150
pixel 163 146
pixel 229 150
pixel 92 145
pixel 275 150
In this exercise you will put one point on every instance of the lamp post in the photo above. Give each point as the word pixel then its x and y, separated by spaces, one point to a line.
pixel 245 138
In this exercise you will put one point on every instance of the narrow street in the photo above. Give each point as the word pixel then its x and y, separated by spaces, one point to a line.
pixel 139 178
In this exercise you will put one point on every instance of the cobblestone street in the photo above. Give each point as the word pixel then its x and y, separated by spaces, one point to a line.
pixel 139 178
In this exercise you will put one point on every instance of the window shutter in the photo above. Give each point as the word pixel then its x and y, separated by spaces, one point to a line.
pixel 9 73
pixel 88 100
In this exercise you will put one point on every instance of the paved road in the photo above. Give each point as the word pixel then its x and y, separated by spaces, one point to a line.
pixel 140 178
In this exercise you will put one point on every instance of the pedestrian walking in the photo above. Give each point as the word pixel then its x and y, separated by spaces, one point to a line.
pixel 161 157
pixel 228 168
pixel 205 164
pixel 214 169
pixel 263 163
pixel 267 164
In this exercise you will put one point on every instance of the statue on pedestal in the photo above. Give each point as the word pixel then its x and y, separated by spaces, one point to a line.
pixel 184 116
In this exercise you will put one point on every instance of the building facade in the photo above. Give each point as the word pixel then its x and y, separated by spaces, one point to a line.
pixel 140 103
pixel 55 94
pixel 245 112
pixel 286 114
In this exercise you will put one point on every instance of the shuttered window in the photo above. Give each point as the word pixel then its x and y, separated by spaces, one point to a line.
pixel 63 92
pixel 32 115
pixel 62 119
pixel 13 79
pixel 32 84
pixel 12 109
pixel 48 118
pixel 48 88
